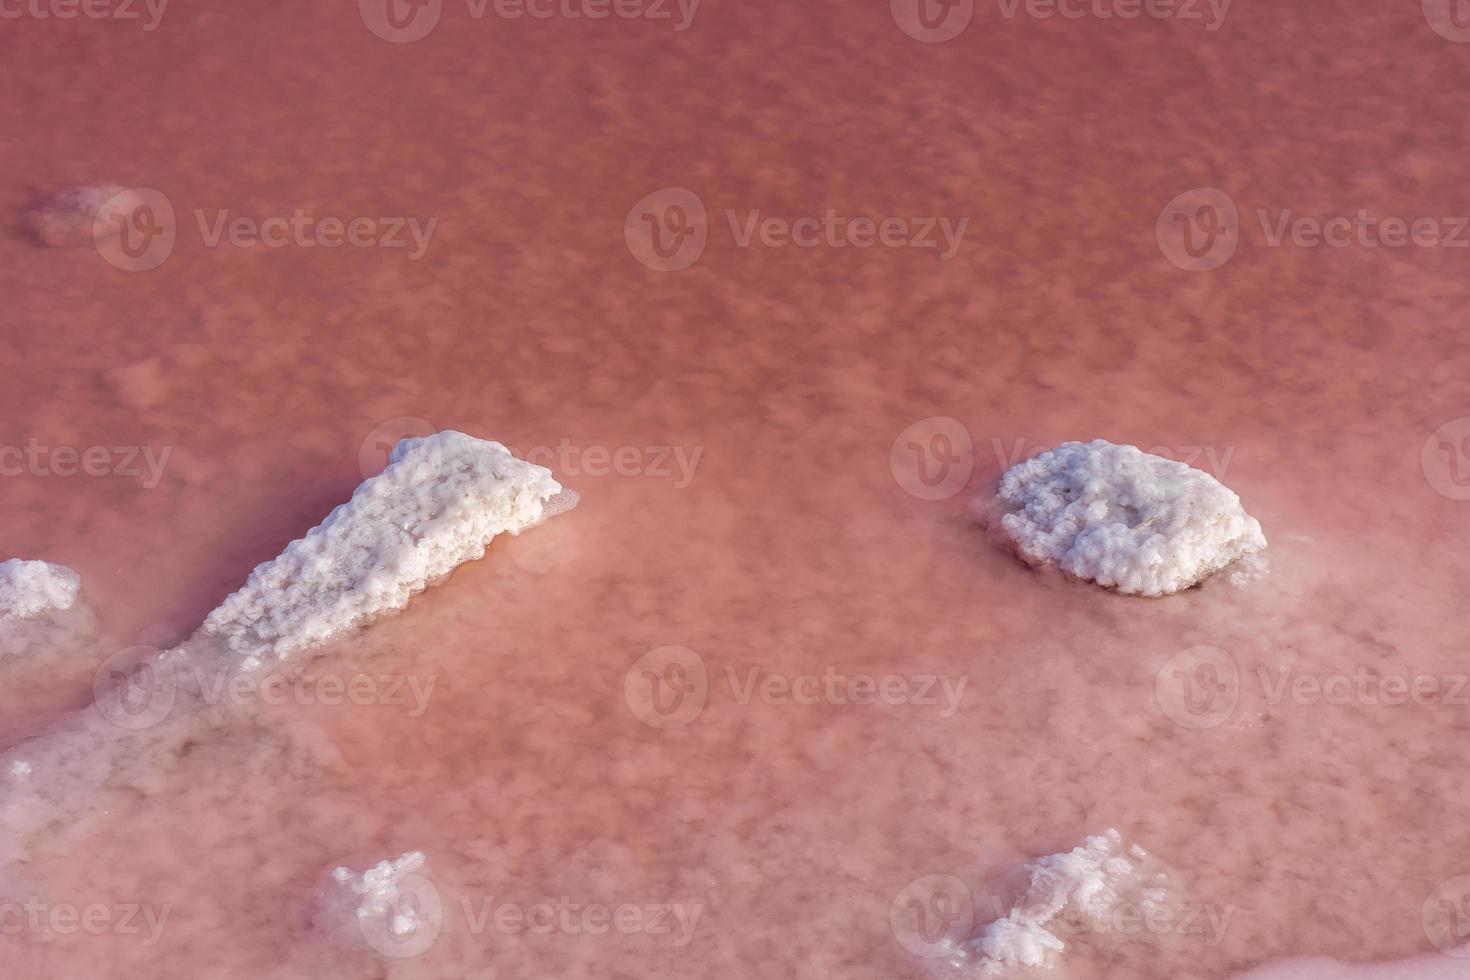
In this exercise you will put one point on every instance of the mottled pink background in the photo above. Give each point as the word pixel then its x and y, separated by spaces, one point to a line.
pixel 1312 377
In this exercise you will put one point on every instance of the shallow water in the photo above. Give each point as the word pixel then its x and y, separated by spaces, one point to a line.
pixel 761 517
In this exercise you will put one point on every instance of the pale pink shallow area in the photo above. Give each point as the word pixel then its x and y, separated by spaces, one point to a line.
pixel 1308 379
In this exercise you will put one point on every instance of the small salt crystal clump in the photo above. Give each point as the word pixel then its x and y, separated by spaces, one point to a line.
pixel 1088 881
pixel 82 214
pixel 378 901
pixel 31 588
pixel 1125 519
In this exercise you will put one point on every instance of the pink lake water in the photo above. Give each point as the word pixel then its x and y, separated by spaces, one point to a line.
pixel 742 430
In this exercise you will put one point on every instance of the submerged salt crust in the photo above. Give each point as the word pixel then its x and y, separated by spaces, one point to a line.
pixel 30 588
pixel 438 504
pixel 1125 519
pixel 441 500
pixel 1089 881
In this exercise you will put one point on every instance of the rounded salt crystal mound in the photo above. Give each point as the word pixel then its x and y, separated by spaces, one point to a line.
pixel 1125 519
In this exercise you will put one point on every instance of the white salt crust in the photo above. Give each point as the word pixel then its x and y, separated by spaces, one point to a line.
pixel 1088 881
pixel 441 500
pixel 1125 519
pixel 30 588
pixel 376 892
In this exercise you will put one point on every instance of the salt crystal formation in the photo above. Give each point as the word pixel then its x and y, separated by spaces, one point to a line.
pixel 31 588
pixel 82 214
pixel 441 500
pixel 1125 519
pixel 1088 882
pixel 377 892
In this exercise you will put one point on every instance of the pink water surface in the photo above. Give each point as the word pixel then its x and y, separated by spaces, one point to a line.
pixel 791 540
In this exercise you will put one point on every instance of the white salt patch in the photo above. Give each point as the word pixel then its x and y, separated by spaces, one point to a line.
pixel 30 588
pixel 1087 880
pixel 20 768
pixel 438 504
pixel 377 897
pixel 1125 519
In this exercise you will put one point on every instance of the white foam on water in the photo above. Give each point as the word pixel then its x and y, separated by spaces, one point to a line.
pixel 30 588
pixel 1125 519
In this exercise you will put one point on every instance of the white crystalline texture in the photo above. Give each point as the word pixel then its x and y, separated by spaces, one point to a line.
pixel 82 214
pixel 1125 519
pixel 1085 881
pixel 377 890
pixel 441 500
pixel 31 588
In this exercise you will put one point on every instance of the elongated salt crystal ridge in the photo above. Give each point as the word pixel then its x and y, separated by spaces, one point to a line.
pixel 1125 519
pixel 439 503
pixel 1087 880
